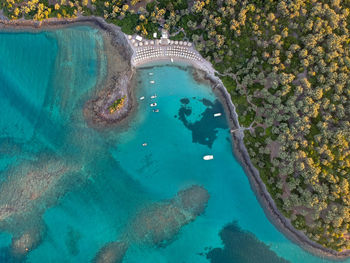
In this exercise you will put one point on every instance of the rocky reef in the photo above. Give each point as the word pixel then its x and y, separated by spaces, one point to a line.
pixel 96 110
pixel 158 224
pixel 29 182
pixel 242 246
pixel 26 242
pixel 117 83
pixel 29 189
pixel 40 179
pixel 111 253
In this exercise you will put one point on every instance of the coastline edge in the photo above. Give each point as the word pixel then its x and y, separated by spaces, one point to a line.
pixel 282 223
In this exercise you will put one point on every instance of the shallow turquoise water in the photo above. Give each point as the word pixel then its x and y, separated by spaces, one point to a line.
pixel 45 78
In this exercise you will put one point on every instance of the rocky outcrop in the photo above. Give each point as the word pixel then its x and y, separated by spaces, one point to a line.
pixel 282 223
pixel 96 110
pixel 28 241
pixel 119 76
pixel 117 84
pixel 111 253
pixel 158 224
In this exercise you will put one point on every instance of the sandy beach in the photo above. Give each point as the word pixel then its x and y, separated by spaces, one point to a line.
pixel 120 81
pixel 204 72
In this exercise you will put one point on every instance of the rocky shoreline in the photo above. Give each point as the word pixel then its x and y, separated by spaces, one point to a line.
pixel 282 223
pixel 96 114
pixel 204 75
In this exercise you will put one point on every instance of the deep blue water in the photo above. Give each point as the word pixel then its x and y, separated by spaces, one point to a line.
pixel 92 185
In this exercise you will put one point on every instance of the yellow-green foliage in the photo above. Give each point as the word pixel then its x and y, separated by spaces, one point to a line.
pixel 286 64
pixel 117 105
pixel 39 9
pixel 290 61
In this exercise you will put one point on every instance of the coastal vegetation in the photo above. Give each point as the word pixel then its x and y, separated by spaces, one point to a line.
pixel 117 104
pixel 286 65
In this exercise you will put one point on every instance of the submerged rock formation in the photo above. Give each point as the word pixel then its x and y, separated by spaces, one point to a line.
pixel 26 242
pixel 118 81
pixel 29 189
pixel 96 111
pixel 112 253
pixel 242 246
pixel 158 224
pixel 29 182
pixel 32 186
pixel 205 129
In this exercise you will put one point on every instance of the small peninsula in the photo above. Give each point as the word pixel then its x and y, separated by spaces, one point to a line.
pixel 281 69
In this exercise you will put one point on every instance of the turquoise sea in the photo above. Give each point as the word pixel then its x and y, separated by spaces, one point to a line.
pixel 71 190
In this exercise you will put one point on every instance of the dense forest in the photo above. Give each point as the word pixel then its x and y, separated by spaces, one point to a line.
pixel 286 65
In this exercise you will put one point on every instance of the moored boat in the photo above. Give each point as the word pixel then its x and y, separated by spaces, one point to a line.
pixel 208 157
pixel 217 114
pixel 153 104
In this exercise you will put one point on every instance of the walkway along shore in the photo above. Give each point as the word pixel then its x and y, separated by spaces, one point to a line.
pixel 166 51
pixel 268 204
pixel 139 55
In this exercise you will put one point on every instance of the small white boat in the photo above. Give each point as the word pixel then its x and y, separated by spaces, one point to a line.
pixel 152 82
pixel 154 96
pixel 217 114
pixel 142 98
pixel 208 157
pixel 172 60
pixel 144 144
pixel 151 73
pixel 153 104
pixel 156 110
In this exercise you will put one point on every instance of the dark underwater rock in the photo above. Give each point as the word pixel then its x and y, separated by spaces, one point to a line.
pixel 241 246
